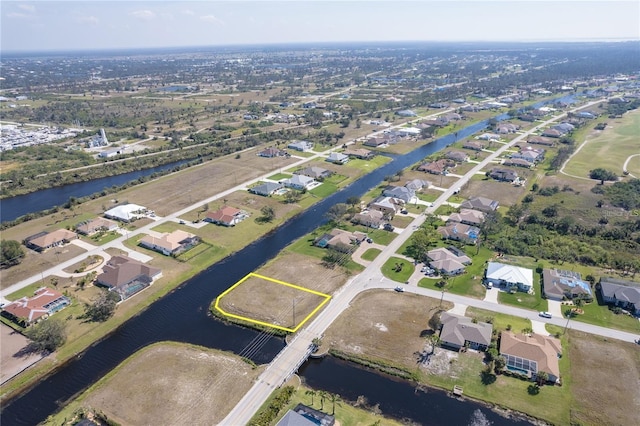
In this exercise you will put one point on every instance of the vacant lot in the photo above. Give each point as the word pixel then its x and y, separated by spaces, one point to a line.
pixel 606 380
pixel 197 386
pixel 384 325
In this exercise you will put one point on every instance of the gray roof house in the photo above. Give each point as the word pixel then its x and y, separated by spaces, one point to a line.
pixel 299 182
pixel 401 192
pixel 460 232
pixel 417 184
pixel 371 218
pixel 622 293
pixel 338 158
pixel 389 206
pixel 558 285
pixel 300 145
pixel 266 189
pixel 480 203
pixel 459 156
pixel 503 175
pixel 314 172
pixel 458 331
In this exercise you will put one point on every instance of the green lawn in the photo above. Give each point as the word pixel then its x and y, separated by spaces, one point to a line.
pixel 304 245
pixel 324 190
pixel 611 147
pixel 602 316
pixel 28 291
pixel 103 238
pixel 368 165
pixel 371 254
pixel 400 276
pixel 279 176
pixel 70 221
pixel 500 321
pixel 524 300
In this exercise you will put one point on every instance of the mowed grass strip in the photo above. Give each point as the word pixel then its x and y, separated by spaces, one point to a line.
pixel 371 254
pixel 263 300
pixel 397 269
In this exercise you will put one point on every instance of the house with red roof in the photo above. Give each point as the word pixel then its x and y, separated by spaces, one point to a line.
pixel 227 216
pixel 28 310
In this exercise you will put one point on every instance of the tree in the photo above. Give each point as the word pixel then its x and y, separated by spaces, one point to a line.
pixel 542 377
pixel 602 175
pixel 323 395
pixel 103 307
pixel 499 363
pixel 332 258
pixel 47 335
pixel 421 241
pixel 268 214
pixel 435 322
pixel 335 400
pixel 292 197
pixel 11 253
pixel 311 393
pixel 336 212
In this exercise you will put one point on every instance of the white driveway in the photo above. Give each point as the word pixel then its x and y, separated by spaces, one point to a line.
pixel 458 309
pixel 491 295
pixel 555 308
pixel 538 327
pixel 83 244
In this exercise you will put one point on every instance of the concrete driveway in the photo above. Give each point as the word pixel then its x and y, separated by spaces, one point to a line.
pixel 491 295
pixel 555 308
pixel 538 327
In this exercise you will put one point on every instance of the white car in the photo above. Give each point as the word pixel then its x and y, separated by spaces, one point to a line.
pixel 545 314
pixel 399 289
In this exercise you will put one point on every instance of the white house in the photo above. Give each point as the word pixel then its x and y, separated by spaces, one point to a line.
pixel 500 274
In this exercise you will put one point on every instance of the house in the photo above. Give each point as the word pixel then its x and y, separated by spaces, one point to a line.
pixel 314 172
pixel 43 241
pixel 301 146
pixel 552 133
pixel 459 331
pixel 517 162
pixel 439 167
pixel 529 355
pixel 558 285
pixel 530 154
pixel 540 140
pixel 362 154
pixel 480 203
pixel 436 122
pixel 401 192
pixel 406 113
pixel 126 212
pixel 227 216
pixel 458 156
pixel 300 182
pixel 28 310
pixel 341 240
pixel 417 184
pixel 621 293
pixel 302 415
pixel 272 152
pixel 385 139
pixel 126 276
pixel 503 175
pixel 99 224
pixel 468 217
pixel 338 158
pixel 170 244
pixel 389 206
pixel 564 127
pixel 266 189
pixel 506 128
pixel 448 261
pixel 408 131
pixel 509 276
pixel 370 219
pixel 460 232
pixel 489 137
pixel 473 145
pixel 110 153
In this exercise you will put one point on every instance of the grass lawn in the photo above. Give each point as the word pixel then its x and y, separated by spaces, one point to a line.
pixel 611 146
pixel 500 321
pixel 279 176
pixel 371 254
pixel 29 290
pixel 368 165
pixel 388 269
pixel 524 300
pixel 103 237
pixel 324 190
pixel 601 315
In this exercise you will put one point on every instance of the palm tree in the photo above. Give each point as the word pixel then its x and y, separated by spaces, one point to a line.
pixel 323 395
pixel 335 399
pixel 312 393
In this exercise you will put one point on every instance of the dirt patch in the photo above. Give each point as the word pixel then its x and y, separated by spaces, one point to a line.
pixel 359 329
pixel 12 361
pixel 606 380
pixel 197 386
pixel 503 192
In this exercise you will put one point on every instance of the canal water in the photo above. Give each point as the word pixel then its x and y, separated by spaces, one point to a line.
pixel 20 205
pixel 182 315
pixel 397 398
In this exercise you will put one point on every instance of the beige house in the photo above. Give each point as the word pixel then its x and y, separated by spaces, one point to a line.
pixel 170 244
pixel 530 354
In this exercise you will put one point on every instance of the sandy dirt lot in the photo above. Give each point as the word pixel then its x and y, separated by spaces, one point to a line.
pixel 384 324
pixel 11 363
pixel 267 301
pixel 604 396
pixel 197 386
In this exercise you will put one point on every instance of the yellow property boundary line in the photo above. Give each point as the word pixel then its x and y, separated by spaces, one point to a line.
pixel 266 324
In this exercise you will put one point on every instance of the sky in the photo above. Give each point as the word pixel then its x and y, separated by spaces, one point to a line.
pixel 45 25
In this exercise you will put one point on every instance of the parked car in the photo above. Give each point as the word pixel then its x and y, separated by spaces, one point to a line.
pixel 369 240
pixel 388 227
pixel 399 289
pixel 545 314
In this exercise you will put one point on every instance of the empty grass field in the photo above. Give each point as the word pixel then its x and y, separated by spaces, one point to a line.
pixel 611 147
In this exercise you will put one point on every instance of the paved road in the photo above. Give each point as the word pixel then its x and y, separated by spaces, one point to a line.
pixel 288 360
